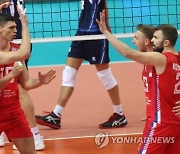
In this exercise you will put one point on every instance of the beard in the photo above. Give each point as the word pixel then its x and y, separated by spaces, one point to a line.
pixel 158 49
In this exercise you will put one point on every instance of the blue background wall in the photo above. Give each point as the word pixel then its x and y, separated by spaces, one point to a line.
pixel 46 17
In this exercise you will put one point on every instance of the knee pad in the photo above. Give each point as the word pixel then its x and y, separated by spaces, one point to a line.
pixel 69 76
pixel 107 79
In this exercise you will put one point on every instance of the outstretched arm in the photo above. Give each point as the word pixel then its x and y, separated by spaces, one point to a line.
pixel 149 58
pixel 43 79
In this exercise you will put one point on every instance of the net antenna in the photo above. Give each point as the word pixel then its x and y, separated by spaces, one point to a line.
pixel 57 20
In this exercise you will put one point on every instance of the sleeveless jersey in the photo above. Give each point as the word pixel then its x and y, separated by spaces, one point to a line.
pixel 162 91
pixel 91 12
pixel 9 96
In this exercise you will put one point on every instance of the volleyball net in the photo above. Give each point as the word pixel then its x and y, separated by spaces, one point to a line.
pixel 57 20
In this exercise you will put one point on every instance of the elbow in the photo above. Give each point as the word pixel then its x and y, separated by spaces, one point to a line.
pixel 26 56
pixel 25 87
pixel 23 53
pixel 128 53
pixel 125 54
pixel 128 56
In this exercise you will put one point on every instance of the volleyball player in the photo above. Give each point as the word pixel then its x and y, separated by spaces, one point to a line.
pixel 12 119
pixel 26 101
pixel 96 52
pixel 161 76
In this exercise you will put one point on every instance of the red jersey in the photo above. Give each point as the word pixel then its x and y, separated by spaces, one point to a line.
pixel 9 96
pixel 162 91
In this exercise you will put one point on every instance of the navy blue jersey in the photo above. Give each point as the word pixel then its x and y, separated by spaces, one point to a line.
pixel 91 12
pixel 13 11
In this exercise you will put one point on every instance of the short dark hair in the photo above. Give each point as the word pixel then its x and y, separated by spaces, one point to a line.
pixel 169 32
pixel 4 18
pixel 147 30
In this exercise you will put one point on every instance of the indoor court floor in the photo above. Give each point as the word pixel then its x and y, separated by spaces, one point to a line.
pixel 89 106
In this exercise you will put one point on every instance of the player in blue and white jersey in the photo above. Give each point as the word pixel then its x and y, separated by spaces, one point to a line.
pixel 97 53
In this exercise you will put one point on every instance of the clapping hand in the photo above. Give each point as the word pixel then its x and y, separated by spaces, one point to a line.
pixel 47 77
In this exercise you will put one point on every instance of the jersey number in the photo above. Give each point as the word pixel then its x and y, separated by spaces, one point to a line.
pixel 176 89
pixel 5 71
pixel 145 83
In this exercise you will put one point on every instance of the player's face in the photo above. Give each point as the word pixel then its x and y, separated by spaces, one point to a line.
pixel 139 41
pixel 9 31
pixel 158 41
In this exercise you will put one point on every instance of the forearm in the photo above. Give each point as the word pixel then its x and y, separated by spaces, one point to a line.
pixel 10 57
pixel 26 41
pixel 148 58
pixel 121 47
pixel 25 47
pixel 32 84
pixel 5 80
pixel 43 79
pixel 27 82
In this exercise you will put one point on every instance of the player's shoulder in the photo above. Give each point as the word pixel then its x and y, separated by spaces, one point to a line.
pixel 171 55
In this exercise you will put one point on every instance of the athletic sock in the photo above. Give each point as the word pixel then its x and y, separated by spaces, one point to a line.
pixel 58 110
pixel 118 109
pixel 36 133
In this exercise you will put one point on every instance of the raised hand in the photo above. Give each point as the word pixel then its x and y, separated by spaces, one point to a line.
pixel 20 5
pixel 102 22
pixel 22 17
pixel 4 5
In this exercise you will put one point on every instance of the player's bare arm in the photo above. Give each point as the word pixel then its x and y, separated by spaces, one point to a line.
pixel 149 58
pixel 26 40
pixel 24 50
pixel 30 83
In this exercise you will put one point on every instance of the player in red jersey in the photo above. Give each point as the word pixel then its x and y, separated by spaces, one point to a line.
pixel 12 119
pixel 24 50
pixel 161 76
pixel 9 7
